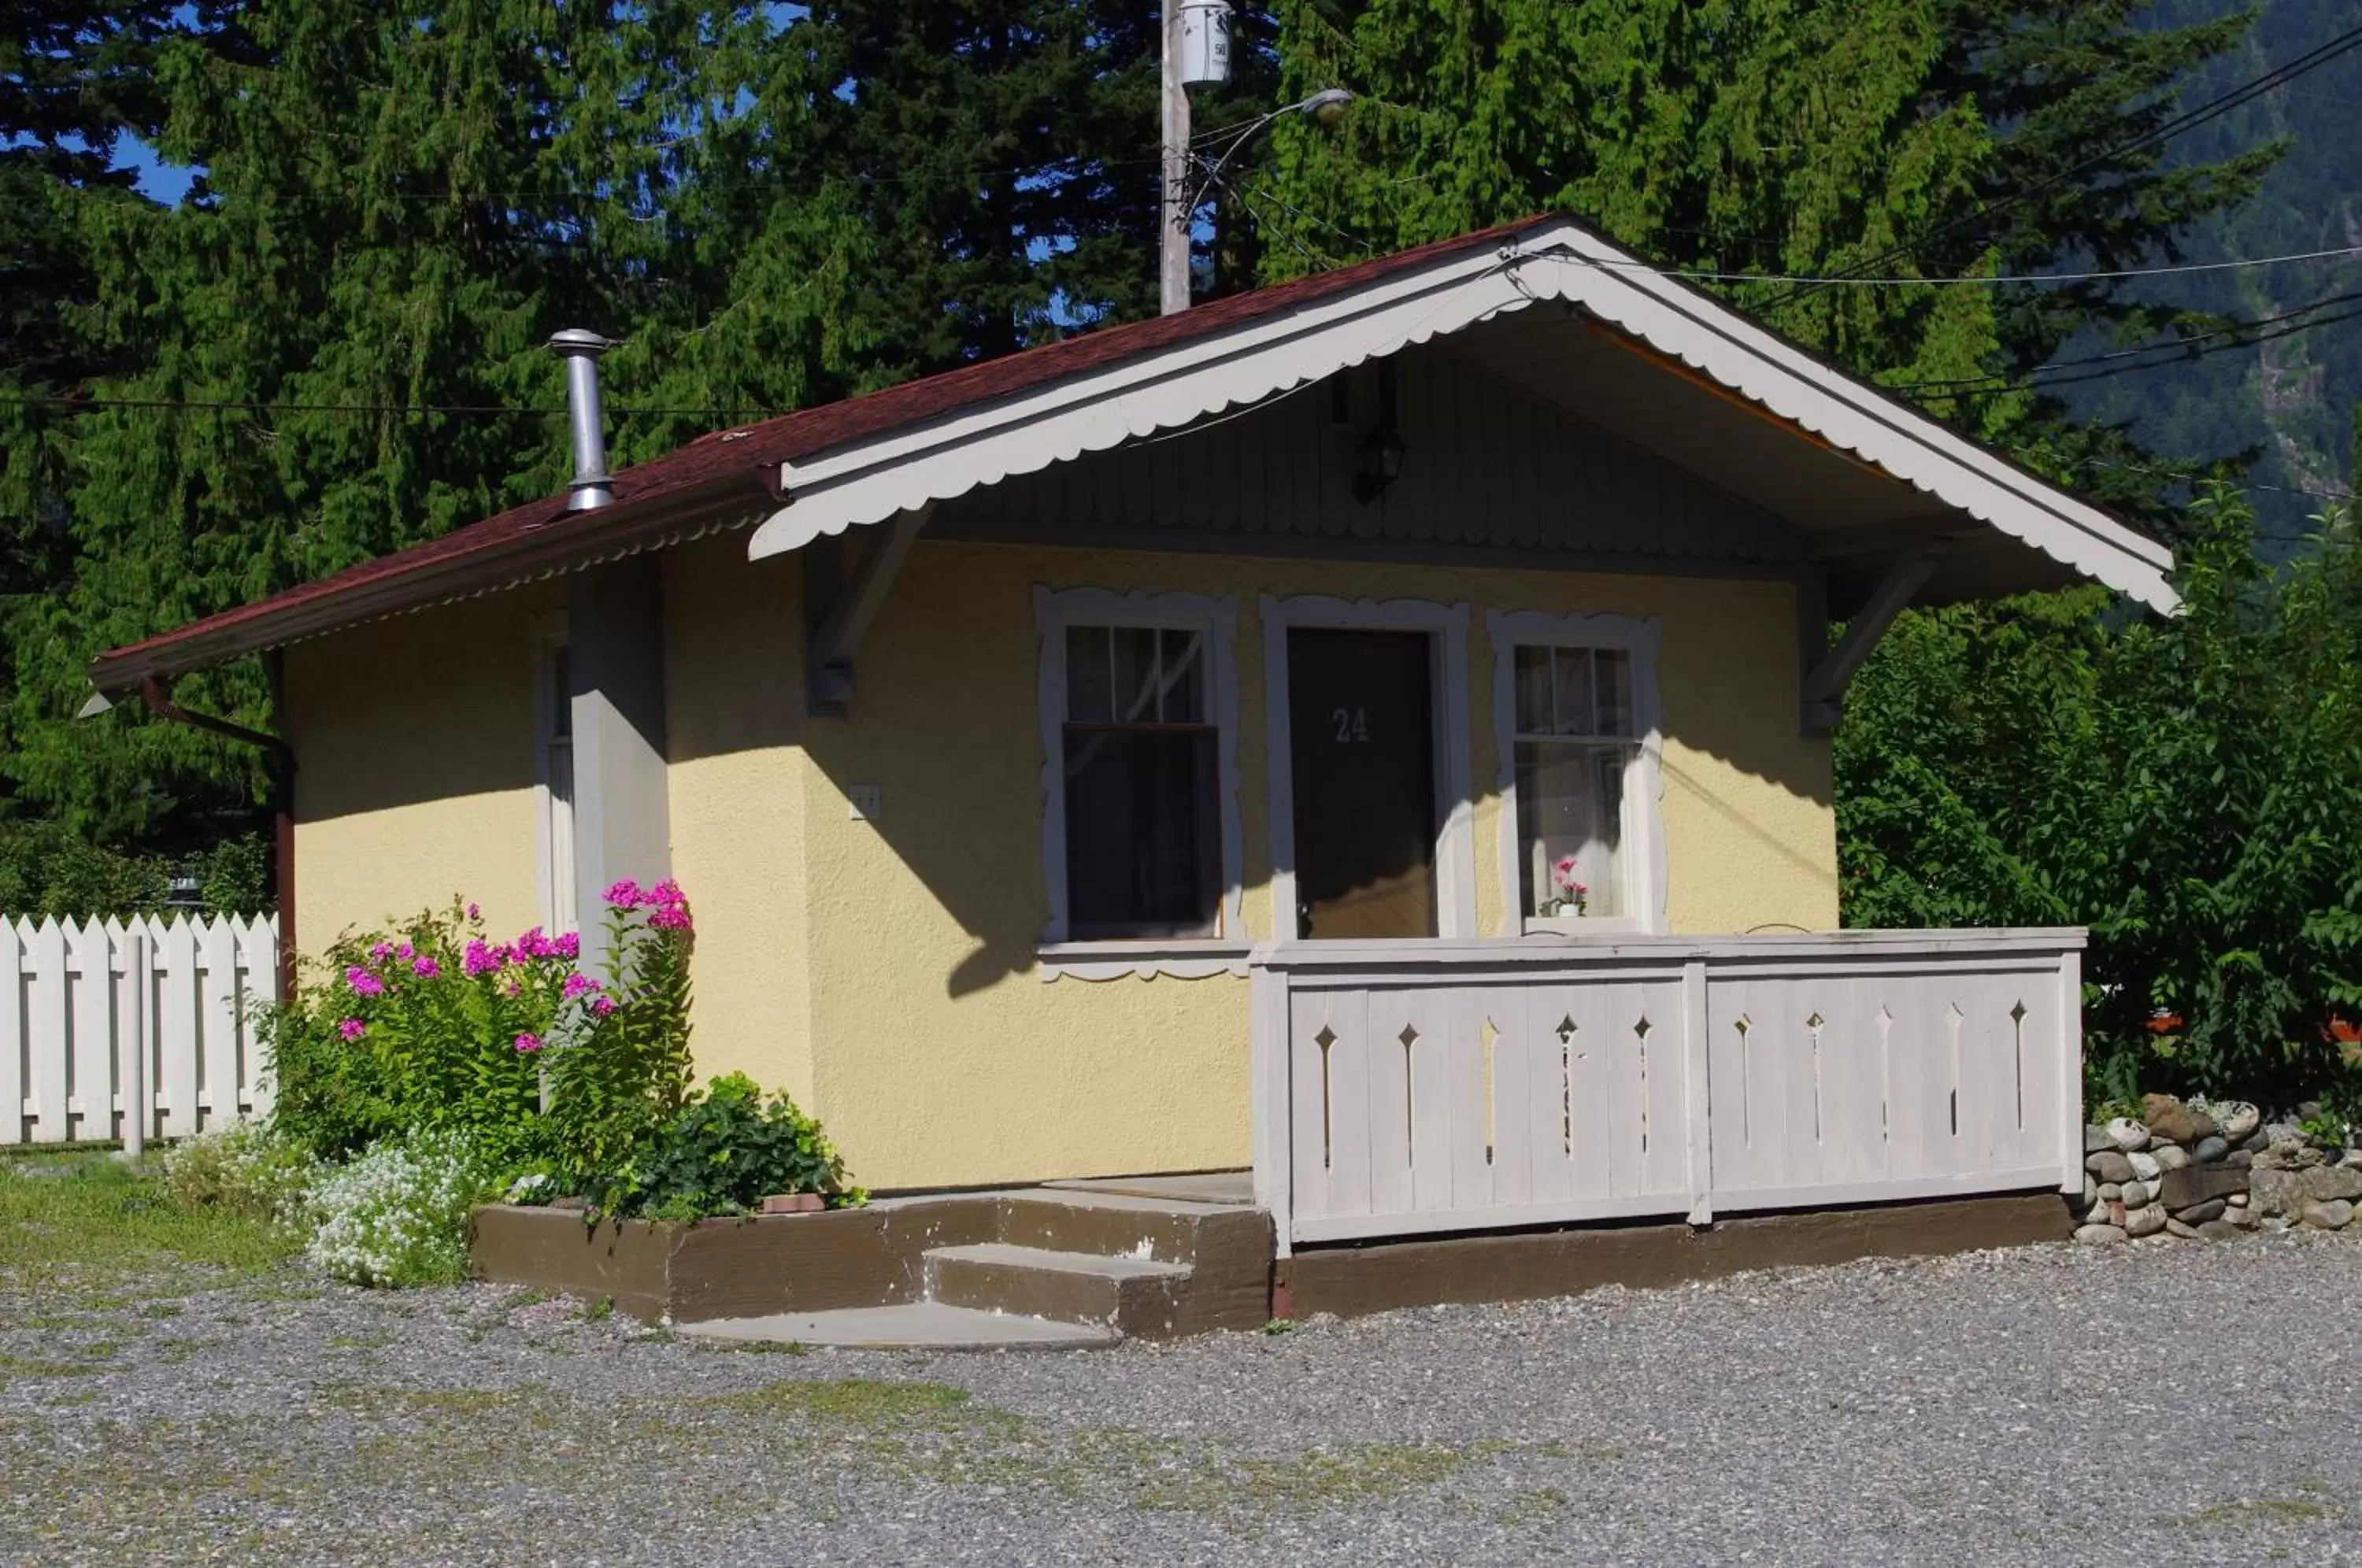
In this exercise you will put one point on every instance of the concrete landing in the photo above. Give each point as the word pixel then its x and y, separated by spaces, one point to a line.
pixel 917 1325
pixel 1206 1186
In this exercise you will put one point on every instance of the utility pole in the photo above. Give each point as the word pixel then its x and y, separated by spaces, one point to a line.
pixel 1173 253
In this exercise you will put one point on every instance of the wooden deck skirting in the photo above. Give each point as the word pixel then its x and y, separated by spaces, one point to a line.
pixel 1352 1281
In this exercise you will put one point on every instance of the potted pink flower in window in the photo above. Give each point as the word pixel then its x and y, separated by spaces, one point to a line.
pixel 1568 895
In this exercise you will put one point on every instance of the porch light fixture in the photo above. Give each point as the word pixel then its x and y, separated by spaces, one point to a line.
pixel 1382 448
pixel 1382 458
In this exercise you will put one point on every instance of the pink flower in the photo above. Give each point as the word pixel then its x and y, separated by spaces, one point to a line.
pixel 475 913
pixel 516 986
pixel 382 952
pixel 1563 874
pixel 352 1029
pixel 424 967
pixel 478 959
pixel 672 916
pixel 622 895
pixel 528 1043
pixel 603 1006
pixel 568 946
pixel 362 982
pixel 406 951
pixel 578 983
pixel 665 892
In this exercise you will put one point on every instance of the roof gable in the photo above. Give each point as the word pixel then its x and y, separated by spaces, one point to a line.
pixel 823 470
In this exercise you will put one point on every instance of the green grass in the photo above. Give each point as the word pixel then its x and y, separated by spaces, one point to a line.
pixel 101 1213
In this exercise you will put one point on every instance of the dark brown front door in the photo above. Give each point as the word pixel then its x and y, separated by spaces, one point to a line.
pixel 1364 754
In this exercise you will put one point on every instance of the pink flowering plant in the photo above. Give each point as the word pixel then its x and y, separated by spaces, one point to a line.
pixel 561 1081
pixel 618 1056
pixel 421 1029
pixel 1568 896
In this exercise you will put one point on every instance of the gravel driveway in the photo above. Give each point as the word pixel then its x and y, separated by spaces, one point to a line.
pixel 2178 1402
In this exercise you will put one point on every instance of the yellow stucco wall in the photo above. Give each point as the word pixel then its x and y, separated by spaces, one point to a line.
pixel 884 971
pixel 415 780
pixel 735 787
pixel 935 1052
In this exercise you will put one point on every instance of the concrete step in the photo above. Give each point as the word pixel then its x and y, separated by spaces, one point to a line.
pixel 915 1325
pixel 1132 1296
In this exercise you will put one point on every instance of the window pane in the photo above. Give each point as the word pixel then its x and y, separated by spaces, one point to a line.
pixel 1135 674
pixel 1613 672
pixel 1575 716
pixel 1571 807
pixel 1089 699
pixel 1184 675
pixel 1533 668
pixel 1141 843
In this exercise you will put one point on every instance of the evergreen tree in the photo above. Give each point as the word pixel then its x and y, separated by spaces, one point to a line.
pixel 397 205
pixel 1909 138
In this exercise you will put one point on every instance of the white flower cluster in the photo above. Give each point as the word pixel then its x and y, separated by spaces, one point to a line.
pixel 398 1215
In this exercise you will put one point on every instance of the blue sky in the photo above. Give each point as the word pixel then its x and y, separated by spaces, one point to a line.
pixel 164 181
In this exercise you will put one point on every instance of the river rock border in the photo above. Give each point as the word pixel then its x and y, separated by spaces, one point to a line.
pixel 2196 1169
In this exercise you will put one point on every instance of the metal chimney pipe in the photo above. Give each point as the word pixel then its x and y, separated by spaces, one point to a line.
pixel 581 350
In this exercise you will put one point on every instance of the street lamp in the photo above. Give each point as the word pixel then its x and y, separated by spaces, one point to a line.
pixel 1326 107
pixel 1197 52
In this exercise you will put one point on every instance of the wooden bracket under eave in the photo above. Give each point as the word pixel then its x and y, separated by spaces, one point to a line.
pixel 1824 685
pixel 836 639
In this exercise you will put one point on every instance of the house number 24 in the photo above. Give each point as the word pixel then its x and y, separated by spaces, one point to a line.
pixel 1353 724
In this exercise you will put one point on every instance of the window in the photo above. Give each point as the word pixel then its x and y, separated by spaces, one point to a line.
pixel 1144 854
pixel 1578 739
pixel 1140 825
pixel 1574 744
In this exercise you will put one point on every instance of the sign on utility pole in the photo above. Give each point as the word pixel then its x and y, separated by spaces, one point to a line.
pixel 1196 52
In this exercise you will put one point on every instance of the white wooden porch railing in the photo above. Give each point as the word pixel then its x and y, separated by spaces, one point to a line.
pixel 99 1019
pixel 1402 1088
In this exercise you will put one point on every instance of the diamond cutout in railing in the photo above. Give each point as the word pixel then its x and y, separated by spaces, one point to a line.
pixel 1813 1021
pixel 1324 1039
pixel 1565 1030
pixel 1642 1028
pixel 1409 1037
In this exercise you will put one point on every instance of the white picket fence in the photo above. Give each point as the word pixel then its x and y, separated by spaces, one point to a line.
pixel 1426 1087
pixel 132 1030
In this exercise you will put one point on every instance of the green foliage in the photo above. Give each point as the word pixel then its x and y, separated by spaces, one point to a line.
pixel 46 870
pixel 620 1066
pixel 245 1167
pixel 2189 788
pixel 1709 137
pixel 431 1028
pixel 722 1152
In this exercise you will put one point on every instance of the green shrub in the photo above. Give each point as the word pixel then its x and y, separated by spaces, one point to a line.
pixel 619 1059
pixel 245 1167
pixel 399 1214
pixel 433 1028
pixel 724 1153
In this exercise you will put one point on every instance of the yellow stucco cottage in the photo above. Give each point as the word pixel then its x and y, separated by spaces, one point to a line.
pixel 1165 751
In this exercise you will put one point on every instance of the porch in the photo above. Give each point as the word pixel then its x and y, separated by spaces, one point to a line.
pixel 1415 1089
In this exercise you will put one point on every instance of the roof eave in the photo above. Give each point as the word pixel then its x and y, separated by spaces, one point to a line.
pixel 625 527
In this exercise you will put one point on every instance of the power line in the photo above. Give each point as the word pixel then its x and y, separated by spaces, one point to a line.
pixel 1849 281
pixel 2178 475
pixel 2189 120
pixel 2287 331
pixel 2177 352
pixel 237 405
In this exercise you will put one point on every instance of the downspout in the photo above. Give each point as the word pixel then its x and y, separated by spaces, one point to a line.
pixel 156 695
